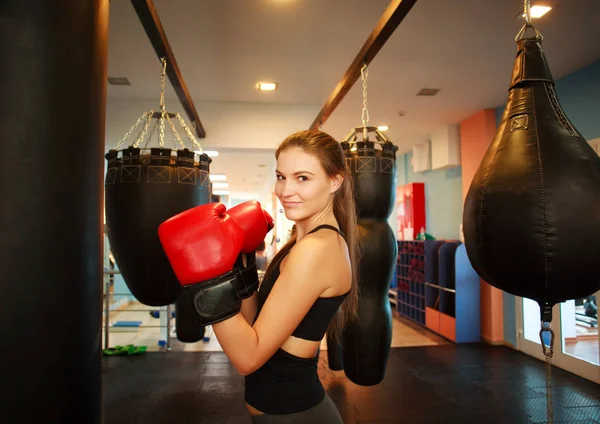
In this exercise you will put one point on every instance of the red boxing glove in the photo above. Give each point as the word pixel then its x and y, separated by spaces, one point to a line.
pixel 256 223
pixel 202 245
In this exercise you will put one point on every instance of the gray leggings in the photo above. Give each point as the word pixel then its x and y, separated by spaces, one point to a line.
pixel 324 413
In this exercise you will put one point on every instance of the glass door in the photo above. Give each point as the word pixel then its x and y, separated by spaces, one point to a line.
pixel 575 326
pixel 579 329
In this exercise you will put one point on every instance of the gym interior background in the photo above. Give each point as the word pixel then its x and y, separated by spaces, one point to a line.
pixel 247 124
pixel 438 85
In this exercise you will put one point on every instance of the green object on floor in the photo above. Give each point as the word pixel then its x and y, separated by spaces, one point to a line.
pixel 425 236
pixel 124 350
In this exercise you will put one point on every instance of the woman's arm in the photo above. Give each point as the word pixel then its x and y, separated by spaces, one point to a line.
pixel 249 308
pixel 304 277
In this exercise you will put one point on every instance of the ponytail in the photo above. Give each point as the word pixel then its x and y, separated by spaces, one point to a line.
pixel 344 209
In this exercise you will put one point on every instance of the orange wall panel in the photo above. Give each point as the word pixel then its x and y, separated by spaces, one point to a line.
pixel 476 134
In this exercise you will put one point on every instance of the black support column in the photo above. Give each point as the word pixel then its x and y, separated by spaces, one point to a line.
pixel 53 59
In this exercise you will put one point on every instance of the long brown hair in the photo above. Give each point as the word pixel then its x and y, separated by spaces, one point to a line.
pixel 331 156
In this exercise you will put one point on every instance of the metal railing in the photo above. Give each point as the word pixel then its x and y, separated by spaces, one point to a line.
pixel 107 295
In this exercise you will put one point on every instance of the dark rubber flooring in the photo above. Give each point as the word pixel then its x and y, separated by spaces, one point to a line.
pixel 449 384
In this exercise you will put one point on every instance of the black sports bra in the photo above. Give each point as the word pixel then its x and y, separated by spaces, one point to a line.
pixel 315 323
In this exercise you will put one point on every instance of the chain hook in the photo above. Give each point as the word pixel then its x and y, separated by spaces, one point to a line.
pixel 548 350
pixel 528 23
pixel 527 12
pixel 548 353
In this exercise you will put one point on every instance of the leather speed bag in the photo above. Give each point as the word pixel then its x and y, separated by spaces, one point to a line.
pixel 532 213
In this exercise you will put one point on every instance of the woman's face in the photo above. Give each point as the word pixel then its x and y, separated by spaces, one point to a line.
pixel 302 186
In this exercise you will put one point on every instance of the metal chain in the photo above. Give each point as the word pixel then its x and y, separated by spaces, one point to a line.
pixel 163 110
pixel 128 133
pixel 164 116
pixel 548 353
pixel 174 132
pixel 153 131
pixel 364 73
pixel 549 408
pixel 142 133
pixel 188 132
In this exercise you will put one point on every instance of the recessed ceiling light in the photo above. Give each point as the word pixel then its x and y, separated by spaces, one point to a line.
pixel 220 185
pixel 383 128
pixel 266 86
pixel 428 92
pixel 537 11
pixel 218 177
pixel 118 81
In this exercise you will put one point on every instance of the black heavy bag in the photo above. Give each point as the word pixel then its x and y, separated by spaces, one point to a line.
pixel 335 359
pixel 143 190
pixel 187 328
pixel 532 214
pixel 374 172
pixel 366 341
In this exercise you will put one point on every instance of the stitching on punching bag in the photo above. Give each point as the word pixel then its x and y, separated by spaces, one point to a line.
pixel 537 140
pixel 204 180
pixel 131 173
pixel 186 176
pixel 483 188
pixel 158 174
pixel 519 122
pixel 111 176
pixel 366 164
pixel 558 112
pixel 386 165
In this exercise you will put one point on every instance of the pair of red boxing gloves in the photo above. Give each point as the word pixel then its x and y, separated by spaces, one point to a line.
pixel 212 253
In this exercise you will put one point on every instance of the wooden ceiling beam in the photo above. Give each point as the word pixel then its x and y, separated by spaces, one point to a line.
pixel 154 30
pixel 389 21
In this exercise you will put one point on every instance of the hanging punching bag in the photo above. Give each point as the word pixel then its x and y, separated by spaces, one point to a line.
pixel 366 341
pixel 187 328
pixel 143 190
pixel 532 214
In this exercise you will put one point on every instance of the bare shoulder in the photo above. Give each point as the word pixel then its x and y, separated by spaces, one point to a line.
pixel 320 257
pixel 320 246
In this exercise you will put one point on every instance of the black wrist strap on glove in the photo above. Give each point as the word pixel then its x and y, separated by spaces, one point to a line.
pixel 221 298
pixel 215 300
pixel 246 264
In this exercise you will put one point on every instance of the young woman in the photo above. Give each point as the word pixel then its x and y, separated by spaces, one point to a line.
pixel 309 288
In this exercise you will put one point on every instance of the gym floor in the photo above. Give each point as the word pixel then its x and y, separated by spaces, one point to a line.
pixel 440 384
pixel 404 332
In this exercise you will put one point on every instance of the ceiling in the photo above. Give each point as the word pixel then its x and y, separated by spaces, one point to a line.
pixel 223 47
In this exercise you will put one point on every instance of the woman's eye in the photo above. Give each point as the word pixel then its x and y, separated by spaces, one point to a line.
pixel 279 177
pixel 303 178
